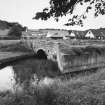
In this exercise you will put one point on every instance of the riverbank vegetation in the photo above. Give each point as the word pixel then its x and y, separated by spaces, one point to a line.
pixel 88 89
pixel 13 46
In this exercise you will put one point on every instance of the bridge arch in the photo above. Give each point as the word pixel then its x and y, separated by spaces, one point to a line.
pixel 41 54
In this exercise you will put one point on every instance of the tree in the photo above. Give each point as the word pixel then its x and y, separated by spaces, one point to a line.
pixel 59 8
pixel 16 30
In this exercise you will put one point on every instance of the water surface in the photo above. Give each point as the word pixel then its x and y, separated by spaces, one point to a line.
pixel 14 74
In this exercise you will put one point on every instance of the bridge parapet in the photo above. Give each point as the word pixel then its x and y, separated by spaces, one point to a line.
pixel 48 46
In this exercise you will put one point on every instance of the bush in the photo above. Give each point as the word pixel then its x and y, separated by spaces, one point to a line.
pixel 16 31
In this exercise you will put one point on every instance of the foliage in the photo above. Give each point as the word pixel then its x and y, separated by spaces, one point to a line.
pixel 16 30
pixel 7 25
pixel 80 90
pixel 59 8
pixel 42 68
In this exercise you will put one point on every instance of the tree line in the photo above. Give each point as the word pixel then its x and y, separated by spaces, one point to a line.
pixel 14 27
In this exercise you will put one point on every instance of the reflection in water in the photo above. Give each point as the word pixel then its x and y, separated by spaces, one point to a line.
pixel 46 81
pixel 27 72
pixel 7 80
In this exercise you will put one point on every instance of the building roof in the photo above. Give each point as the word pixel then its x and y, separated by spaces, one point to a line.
pixel 98 32
pixel 35 32
pixel 102 31
pixel 90 34
pixel 54 34
pixel 80 34
pixel 57 33
pixel 61 33
pixel 72 34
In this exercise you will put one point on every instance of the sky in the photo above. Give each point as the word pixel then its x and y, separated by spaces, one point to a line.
pixel 23 11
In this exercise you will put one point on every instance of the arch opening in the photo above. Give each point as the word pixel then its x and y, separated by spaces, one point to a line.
pixel 41 54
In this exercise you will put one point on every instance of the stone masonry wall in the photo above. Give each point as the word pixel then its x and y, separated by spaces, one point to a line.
pixel 83 58
pixel 70 58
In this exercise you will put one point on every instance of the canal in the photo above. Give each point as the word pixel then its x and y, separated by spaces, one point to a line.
pixel 22 71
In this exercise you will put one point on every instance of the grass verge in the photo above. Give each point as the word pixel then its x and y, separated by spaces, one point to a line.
pixel 80 90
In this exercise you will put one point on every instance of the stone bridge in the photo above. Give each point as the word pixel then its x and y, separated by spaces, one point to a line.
pixel 45 45
pixel 70 56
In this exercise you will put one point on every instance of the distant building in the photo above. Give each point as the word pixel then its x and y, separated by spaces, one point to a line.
pixel 80 34
pixel 49 34
pixel 35 33
pixel 102 36
pixel 102 33
pixel 54 35
pixel 31 34
pixel 90 35
pixel 72 35
pixel 65 34
pixel 99 33
pixel 57 34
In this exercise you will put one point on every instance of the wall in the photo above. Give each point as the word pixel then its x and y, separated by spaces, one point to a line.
pixel 86 58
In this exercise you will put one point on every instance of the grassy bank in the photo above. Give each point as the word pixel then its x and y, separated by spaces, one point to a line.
pixel 24 69
pixel 14 47
pixel 85 90
pixel 79 90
